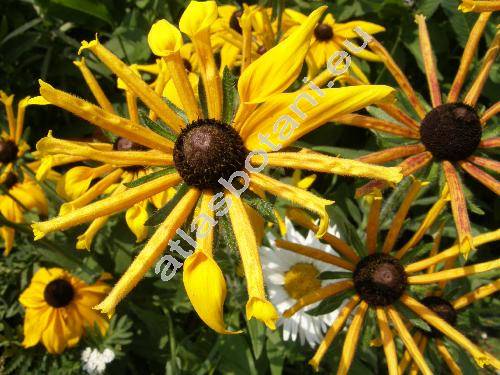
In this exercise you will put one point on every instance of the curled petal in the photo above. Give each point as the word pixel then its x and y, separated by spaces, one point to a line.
pixel 198 17
pixel 262 310
pixel 164 38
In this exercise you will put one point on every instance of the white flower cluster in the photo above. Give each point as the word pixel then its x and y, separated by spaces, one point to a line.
pixel 94 362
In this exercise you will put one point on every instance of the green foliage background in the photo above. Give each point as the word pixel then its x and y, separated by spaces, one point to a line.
pixel 156 330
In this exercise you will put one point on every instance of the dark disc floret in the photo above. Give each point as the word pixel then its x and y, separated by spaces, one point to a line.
pixel 10 180
pixel 187 65
pixel 125 144
pixel 380 279
pixel 234 22
pixel 323 32
pixel 451 131
pixel 444 309
pixel 8 151
pixel 207 150
pixel 59 293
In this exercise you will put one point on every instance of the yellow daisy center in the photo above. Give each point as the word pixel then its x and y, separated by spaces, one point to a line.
pixel 379 279
pixel 206 151
pixel 59 293
pixel 451 131
pixel 301 279
pixel 8 151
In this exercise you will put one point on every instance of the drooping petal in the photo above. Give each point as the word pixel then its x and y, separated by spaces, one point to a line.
pixel 106 206
pixel 164 38
pixel 135 217
pixel 77 180
pixel 150 253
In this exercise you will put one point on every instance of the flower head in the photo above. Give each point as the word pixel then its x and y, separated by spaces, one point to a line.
pixel 194 143
pixel 382 280
pixel 451 134
pixel 58 308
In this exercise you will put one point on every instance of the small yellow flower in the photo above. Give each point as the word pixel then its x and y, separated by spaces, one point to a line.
pixel 58 308
pixel 209 148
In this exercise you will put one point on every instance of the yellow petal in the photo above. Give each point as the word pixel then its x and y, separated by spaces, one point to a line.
pixel 262 310
pixel 198 17
pixel 200 271
pixel 284 118
pixel 136 216
pixel 77 180
pixel 94 86
pixel 84 241
pixel 164 38
pixel 151 252
pixel 277 69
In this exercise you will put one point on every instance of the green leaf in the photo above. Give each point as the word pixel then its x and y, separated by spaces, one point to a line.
pixel 330 275
pixel 330 304
pixel 228 234
pixel 262 206
pixel 257 332
pixel 159 216
pixel 229 95
pixel 93 8
pixel 179 112
pixel 157 127
pixel 428 7
pixel 150 177
pixel 21 29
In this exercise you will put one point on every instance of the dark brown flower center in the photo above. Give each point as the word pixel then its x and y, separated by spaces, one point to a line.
pixel 379 279
pixel 261 50
pixel 8 151
pixel 207 150
pixel 59 293
pixel 323 32
pixel 125 144
pixel 451 131
pixel 234 21
pixel 444 309
pixel 10 180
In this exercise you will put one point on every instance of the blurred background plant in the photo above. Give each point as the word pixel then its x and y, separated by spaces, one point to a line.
pixel 156 330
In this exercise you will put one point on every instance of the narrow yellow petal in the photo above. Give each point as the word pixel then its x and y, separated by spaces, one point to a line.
pixel 277 69
pixel 8 101
pixel 351 339
pixel 408 341
pixel 479 6
pixel 455 273
pixel 313 161
pixel 372 225
pixel 151 252
pixel 387 341
pixel 373 123
pixel 94 86
pixel 333 331
pixel 434 320
pixel 84 240
pixel 108 121
pixel 445 354
pixel 257 305
pixel 476 295
pixel 106 206
pixel 452 252
pixel 53 146
pixel 295 195
pixel 77 180
pixel 135 83
pixel 468 55
pixel 313 253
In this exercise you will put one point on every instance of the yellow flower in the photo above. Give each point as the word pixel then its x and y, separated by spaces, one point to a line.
pixel 209 156
pixel 58 308
pixel 381 280
pixel 450 134
pixel 479 6
pixel 331 36
pixel 17 195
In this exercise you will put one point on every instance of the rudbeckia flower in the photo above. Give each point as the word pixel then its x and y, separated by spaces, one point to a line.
pixel 451 133
pixel 381 282
pixel 289 277
pixel 205 150
pixel 331 36
pixel 19 193
pixel 479 6
pixel 447 308
pixel 58 308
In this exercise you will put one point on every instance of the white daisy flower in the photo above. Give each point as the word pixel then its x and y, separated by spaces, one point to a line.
pixel 289 276
pixel 94 362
